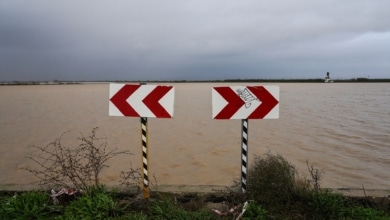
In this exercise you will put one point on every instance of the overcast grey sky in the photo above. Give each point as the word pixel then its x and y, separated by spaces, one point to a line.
pixel 193 40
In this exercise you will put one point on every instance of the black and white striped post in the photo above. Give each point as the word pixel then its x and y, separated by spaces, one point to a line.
pixel 244 154
pixel 144 137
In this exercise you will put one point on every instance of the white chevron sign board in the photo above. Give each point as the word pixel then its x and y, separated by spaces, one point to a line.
pixel 245 102
pixel 131 100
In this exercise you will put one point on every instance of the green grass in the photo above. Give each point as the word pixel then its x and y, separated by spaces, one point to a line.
pixel 98 206
pixel 28 205
pixel 167 209
pixel 104 205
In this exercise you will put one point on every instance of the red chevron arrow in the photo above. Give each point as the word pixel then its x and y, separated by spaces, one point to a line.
pixel 268 102
pixel 120 100
pixel 152 101
pixel 234 102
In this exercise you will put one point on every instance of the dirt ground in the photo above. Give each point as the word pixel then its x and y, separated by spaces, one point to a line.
pixel 209 188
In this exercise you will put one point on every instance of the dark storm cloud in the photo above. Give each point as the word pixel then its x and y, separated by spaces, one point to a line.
pixel 175 40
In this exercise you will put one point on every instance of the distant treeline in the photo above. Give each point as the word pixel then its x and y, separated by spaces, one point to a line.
pixel 318 80
pixel 40 82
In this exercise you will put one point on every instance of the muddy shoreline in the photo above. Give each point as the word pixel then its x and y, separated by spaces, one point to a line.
pixel 207 189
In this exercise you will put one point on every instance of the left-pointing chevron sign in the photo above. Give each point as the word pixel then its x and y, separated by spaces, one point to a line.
pixel 130 100
pixel 245 102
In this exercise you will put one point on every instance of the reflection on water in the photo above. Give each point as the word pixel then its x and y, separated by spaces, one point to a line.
pixel 340 128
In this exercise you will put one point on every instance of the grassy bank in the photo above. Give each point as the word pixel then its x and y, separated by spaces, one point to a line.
pixel 101 203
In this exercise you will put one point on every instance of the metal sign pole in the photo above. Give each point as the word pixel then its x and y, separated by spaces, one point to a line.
pixel 144 137
pixel 244 154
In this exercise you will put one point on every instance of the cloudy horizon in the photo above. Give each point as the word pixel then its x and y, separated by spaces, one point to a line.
pixel 43 40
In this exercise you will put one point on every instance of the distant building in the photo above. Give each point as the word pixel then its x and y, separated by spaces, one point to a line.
pixel 327 78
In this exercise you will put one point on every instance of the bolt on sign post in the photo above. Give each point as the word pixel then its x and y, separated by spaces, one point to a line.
pixel 133 100
pixel 245 102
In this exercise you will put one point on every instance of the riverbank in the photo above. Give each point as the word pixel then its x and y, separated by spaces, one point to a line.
pixel 205 189
pixel 354 192
pixel 225 204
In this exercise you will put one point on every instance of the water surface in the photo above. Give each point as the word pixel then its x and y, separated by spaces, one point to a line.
pixel 341 128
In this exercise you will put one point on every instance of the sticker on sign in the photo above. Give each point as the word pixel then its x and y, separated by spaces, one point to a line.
pixel 245 102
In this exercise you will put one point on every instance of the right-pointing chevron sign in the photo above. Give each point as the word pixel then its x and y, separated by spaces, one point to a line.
pixel 245 102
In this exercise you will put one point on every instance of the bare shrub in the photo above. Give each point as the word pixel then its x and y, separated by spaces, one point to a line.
pixel 130 179
pixel 315 175
pixel 79 167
